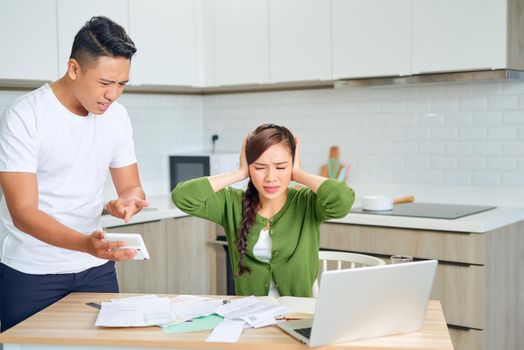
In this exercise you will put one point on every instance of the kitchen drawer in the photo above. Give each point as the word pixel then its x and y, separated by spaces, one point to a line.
pixel 467 339
pixel 461 291
pixel 425 244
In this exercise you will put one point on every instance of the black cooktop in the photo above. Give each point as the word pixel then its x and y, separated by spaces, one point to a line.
pixel 429 210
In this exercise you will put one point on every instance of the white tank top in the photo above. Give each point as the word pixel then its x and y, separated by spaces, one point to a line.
pixel 262 251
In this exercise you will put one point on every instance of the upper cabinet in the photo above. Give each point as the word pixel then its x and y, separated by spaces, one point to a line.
pixel 28 41
pixel 455 35
pixel 300 40
pixel 240 42
pixel 164 33
pixel 214 43
pixel 73 14
pixel 371 38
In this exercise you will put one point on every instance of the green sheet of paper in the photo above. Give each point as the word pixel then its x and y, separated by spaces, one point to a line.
pixel 197 324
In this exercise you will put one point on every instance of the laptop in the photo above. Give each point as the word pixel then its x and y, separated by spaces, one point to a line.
pixel 367 302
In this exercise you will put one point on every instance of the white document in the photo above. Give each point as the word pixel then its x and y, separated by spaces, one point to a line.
pixel 135 300
pixel 295 304
pixel 188 310
pixel 140 311
pixel 227 331
pixel 253 311
pixel 133 241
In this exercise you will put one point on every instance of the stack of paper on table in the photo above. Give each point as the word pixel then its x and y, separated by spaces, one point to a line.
pixel 190 313
pixel 141 311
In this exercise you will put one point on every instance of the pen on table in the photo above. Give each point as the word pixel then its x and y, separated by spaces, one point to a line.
pixel 224 301
pixel 284 318
pixel 95 305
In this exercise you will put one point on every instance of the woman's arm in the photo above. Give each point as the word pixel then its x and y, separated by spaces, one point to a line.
pixel 205 197
pixel 333 198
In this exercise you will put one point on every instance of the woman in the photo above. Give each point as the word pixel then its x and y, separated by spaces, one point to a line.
pixel 272 230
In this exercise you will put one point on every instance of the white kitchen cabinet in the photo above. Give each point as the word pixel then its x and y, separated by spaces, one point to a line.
pixel 164 33
pixel 28 41
pixel 456 35
pixel 371 38
pixel 241 42
pixel 73 14
pixel 300 40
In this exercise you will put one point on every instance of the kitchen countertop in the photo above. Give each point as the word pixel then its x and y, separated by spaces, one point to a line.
pixel 161 207
pixel 476 223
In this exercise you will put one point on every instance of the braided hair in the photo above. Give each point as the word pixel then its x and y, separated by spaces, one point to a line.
pixel 258 141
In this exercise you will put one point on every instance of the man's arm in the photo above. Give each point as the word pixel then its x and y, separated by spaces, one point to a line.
pixel 131 196
pixel 21 195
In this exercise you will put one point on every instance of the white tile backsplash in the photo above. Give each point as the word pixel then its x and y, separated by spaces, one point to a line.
pixel 502 102
pixel 457 178
pixel 487 118
pixel 513 148
pixel 472 163
pixel 514 117
pixel 472 103
pixel 444 163
pixel 430 177
pixel 501 163
pixel 457 118
pixel 444 134
pixel 501 133
pixel 521 163
pixel 458 148
pixel 441 138
pixel 460 141
pixel 473 133
pixel 486 179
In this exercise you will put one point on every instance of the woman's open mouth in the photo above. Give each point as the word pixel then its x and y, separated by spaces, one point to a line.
pixel 271 189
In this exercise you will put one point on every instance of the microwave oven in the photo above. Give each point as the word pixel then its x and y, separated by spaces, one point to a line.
pixel 184 167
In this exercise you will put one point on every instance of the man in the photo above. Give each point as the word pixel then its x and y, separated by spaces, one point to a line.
pixel 56 146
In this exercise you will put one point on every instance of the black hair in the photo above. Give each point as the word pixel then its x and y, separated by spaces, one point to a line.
pixel 100 36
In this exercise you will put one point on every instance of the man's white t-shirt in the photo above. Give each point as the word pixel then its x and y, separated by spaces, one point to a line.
pixel 71 156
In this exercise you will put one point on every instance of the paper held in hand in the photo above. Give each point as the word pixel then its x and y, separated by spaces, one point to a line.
pixel 133 241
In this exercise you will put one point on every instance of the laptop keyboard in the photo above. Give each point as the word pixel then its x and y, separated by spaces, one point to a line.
pixel 305 332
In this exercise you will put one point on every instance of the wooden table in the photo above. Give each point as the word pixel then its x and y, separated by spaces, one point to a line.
pixel 69 324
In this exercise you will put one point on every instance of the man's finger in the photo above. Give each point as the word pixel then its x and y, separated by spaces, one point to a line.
pixel 119 207
pixel 98 234
pixel 142 203
pixel 128 214
pixel 123 254
pixel 115 245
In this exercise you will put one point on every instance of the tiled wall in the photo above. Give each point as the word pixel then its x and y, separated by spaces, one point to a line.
pixel 461 142
pixel 162 125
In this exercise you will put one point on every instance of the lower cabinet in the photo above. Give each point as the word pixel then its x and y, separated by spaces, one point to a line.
pixel 145 276
pixel 191 258
pixel 478 279
pixel 181 259
pixel 467 338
